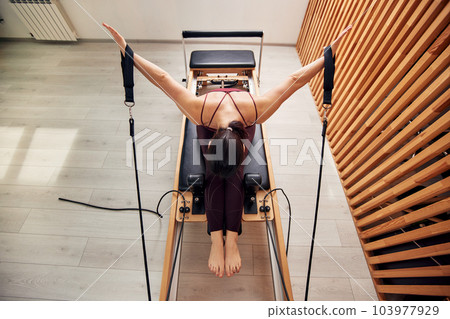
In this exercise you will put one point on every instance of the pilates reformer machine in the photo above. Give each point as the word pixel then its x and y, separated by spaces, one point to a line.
pixel 208 70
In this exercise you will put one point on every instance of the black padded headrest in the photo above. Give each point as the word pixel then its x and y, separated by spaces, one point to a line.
pixel 212 59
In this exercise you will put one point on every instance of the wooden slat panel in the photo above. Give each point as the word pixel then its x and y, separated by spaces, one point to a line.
pixel 412 164
pixel 384 18
pixel 421 233
pixel 336 24
pixel 416 290
pixel 322 13
pixel 398 100
pixel 416 180
pixel 369 159
pixel 388 129
pixel 406 220
pixel 415 199
pixel 431 271
pixel 394 71
pixel 350 92
pixel 398 34
pixel 430 251
pixel 304 31
pixel 351 54
pixel 415 162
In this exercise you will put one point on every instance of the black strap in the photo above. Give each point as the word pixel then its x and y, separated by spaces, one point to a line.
pixel 328 75
pixel 127 63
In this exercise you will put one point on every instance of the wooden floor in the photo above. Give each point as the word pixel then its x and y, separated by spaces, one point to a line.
pixel 64 132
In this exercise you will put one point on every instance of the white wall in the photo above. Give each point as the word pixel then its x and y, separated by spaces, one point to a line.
pixel 164 19
pixel 12 27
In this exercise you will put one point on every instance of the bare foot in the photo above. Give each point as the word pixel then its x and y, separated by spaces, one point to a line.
pixel 232 256
pixel 216 256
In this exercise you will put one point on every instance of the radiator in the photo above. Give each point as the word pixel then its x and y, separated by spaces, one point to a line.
pixel 45 19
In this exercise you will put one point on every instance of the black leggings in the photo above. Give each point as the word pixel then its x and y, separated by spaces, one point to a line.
pixel 224 197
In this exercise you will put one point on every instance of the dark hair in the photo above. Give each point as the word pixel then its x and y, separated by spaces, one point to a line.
pixel 227 142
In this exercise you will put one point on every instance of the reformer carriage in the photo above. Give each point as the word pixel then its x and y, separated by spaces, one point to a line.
pixel 209 70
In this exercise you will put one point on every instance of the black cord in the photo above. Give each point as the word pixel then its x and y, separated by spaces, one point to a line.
pixel 308 276
pixel 164 195
pixel 109 208
pixel 123 209
pixel 178 241
pixel 272 240
pixel 141 219
pixel 290 215
pixel 155 212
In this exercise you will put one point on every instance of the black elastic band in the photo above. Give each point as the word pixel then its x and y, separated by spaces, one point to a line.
pixel 127 63
pixel 328 75
pixel 319 183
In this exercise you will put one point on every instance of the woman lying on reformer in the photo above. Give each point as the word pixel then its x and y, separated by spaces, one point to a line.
pixel 227 117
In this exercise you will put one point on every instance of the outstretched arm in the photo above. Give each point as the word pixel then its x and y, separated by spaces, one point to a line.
pixel 272 100
pixel 188 103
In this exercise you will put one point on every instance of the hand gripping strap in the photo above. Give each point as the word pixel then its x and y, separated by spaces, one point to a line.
pixel 127 63
pixel 328 75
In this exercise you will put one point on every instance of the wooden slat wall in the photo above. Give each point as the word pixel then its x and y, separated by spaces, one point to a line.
pixel 389 134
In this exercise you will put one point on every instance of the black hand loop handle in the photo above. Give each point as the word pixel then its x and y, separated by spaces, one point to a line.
pixel 328 77
pixel 127 63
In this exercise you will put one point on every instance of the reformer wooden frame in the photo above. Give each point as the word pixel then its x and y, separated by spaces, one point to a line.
pixel 273 216
pixel 389 131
